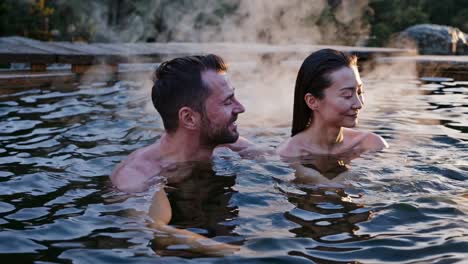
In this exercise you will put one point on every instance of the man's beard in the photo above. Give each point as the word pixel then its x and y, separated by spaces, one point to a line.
pixel 212 135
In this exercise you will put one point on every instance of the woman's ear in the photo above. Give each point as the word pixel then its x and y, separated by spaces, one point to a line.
pixel 311 101
pixel 188 118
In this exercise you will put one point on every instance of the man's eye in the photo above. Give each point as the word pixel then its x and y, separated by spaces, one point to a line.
pixel 228 102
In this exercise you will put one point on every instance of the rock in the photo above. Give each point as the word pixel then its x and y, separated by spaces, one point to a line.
pixel 434 39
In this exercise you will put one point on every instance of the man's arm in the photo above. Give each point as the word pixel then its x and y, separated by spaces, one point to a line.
pixel 161 213
pixel 248 150
pixel 241 144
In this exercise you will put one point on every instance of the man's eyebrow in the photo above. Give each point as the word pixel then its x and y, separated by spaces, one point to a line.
pixel 230 96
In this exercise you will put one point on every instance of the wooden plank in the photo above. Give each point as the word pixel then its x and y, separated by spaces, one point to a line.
pixel 94 69
pixel 45 47
pixel 139 52
pixel 38 67
pixel 15 48
pixel 89 54
pixel 14 52
pixel 16 40
pixel 117 48
pixel 18 49
pixel 26 58
pixel 26 51
pixel 136 52
pixel 12 79
pixel 81 48
pixel 117 53
pixel 65 52
pixel 82 53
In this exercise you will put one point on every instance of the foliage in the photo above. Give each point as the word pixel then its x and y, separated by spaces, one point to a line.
pixel 166 20
pixel 23 18
pixel 84 20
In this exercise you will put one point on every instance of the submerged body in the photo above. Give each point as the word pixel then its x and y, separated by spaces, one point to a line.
pixel 199 111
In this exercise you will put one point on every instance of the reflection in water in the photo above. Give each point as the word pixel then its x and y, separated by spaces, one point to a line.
pixel 323 210
pixel 326 215
pixel 200 203
pixel 316 169
pixel 447 96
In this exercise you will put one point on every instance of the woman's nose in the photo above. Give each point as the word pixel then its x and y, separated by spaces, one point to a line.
pixel 358 102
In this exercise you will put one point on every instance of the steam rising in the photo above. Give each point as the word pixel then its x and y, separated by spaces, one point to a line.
pixel 266 21
pixel 272 21
pixel 264 84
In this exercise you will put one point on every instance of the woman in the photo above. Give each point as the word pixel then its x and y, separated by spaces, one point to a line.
pixel 327 100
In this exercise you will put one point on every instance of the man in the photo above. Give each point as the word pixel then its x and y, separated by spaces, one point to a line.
pixel 199 111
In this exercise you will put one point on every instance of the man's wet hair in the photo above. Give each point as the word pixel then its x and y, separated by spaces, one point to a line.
pixel 178 83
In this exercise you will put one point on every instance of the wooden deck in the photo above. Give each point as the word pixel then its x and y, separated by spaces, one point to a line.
pixel 83 58
pixel 40 54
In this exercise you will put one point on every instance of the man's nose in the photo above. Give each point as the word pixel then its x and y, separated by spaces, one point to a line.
pixel 239 108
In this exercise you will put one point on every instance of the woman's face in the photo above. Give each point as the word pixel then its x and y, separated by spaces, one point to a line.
pixel 342 100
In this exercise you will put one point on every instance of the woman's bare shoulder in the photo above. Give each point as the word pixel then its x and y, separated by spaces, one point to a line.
pixel 366 140
pixel 374 142
pixel 290 148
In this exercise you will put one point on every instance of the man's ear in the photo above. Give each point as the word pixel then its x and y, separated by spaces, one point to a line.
pixel 311 101
pixel 188 118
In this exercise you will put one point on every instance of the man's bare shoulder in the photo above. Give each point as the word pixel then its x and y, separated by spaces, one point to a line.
pixel 133 172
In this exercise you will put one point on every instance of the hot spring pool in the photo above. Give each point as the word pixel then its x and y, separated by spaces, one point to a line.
pixel 408 204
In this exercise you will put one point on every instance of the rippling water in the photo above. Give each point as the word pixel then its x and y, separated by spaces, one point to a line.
pixel 407 204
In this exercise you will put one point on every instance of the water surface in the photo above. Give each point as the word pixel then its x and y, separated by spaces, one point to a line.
pixel 407 204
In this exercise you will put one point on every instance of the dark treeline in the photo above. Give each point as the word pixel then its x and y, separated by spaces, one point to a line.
pixel 83 20
pixel 157 20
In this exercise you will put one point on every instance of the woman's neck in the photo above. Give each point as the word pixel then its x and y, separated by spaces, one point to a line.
pixel 325 137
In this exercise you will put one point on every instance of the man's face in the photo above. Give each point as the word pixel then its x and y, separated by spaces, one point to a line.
pixel 221 110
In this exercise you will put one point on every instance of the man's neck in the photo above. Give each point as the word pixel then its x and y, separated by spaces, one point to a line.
pixel 182 147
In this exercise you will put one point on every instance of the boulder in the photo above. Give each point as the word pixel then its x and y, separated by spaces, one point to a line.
pixel 434 39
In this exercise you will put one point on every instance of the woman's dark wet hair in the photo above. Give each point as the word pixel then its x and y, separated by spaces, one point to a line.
pixel 314 78
pixel 178 83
